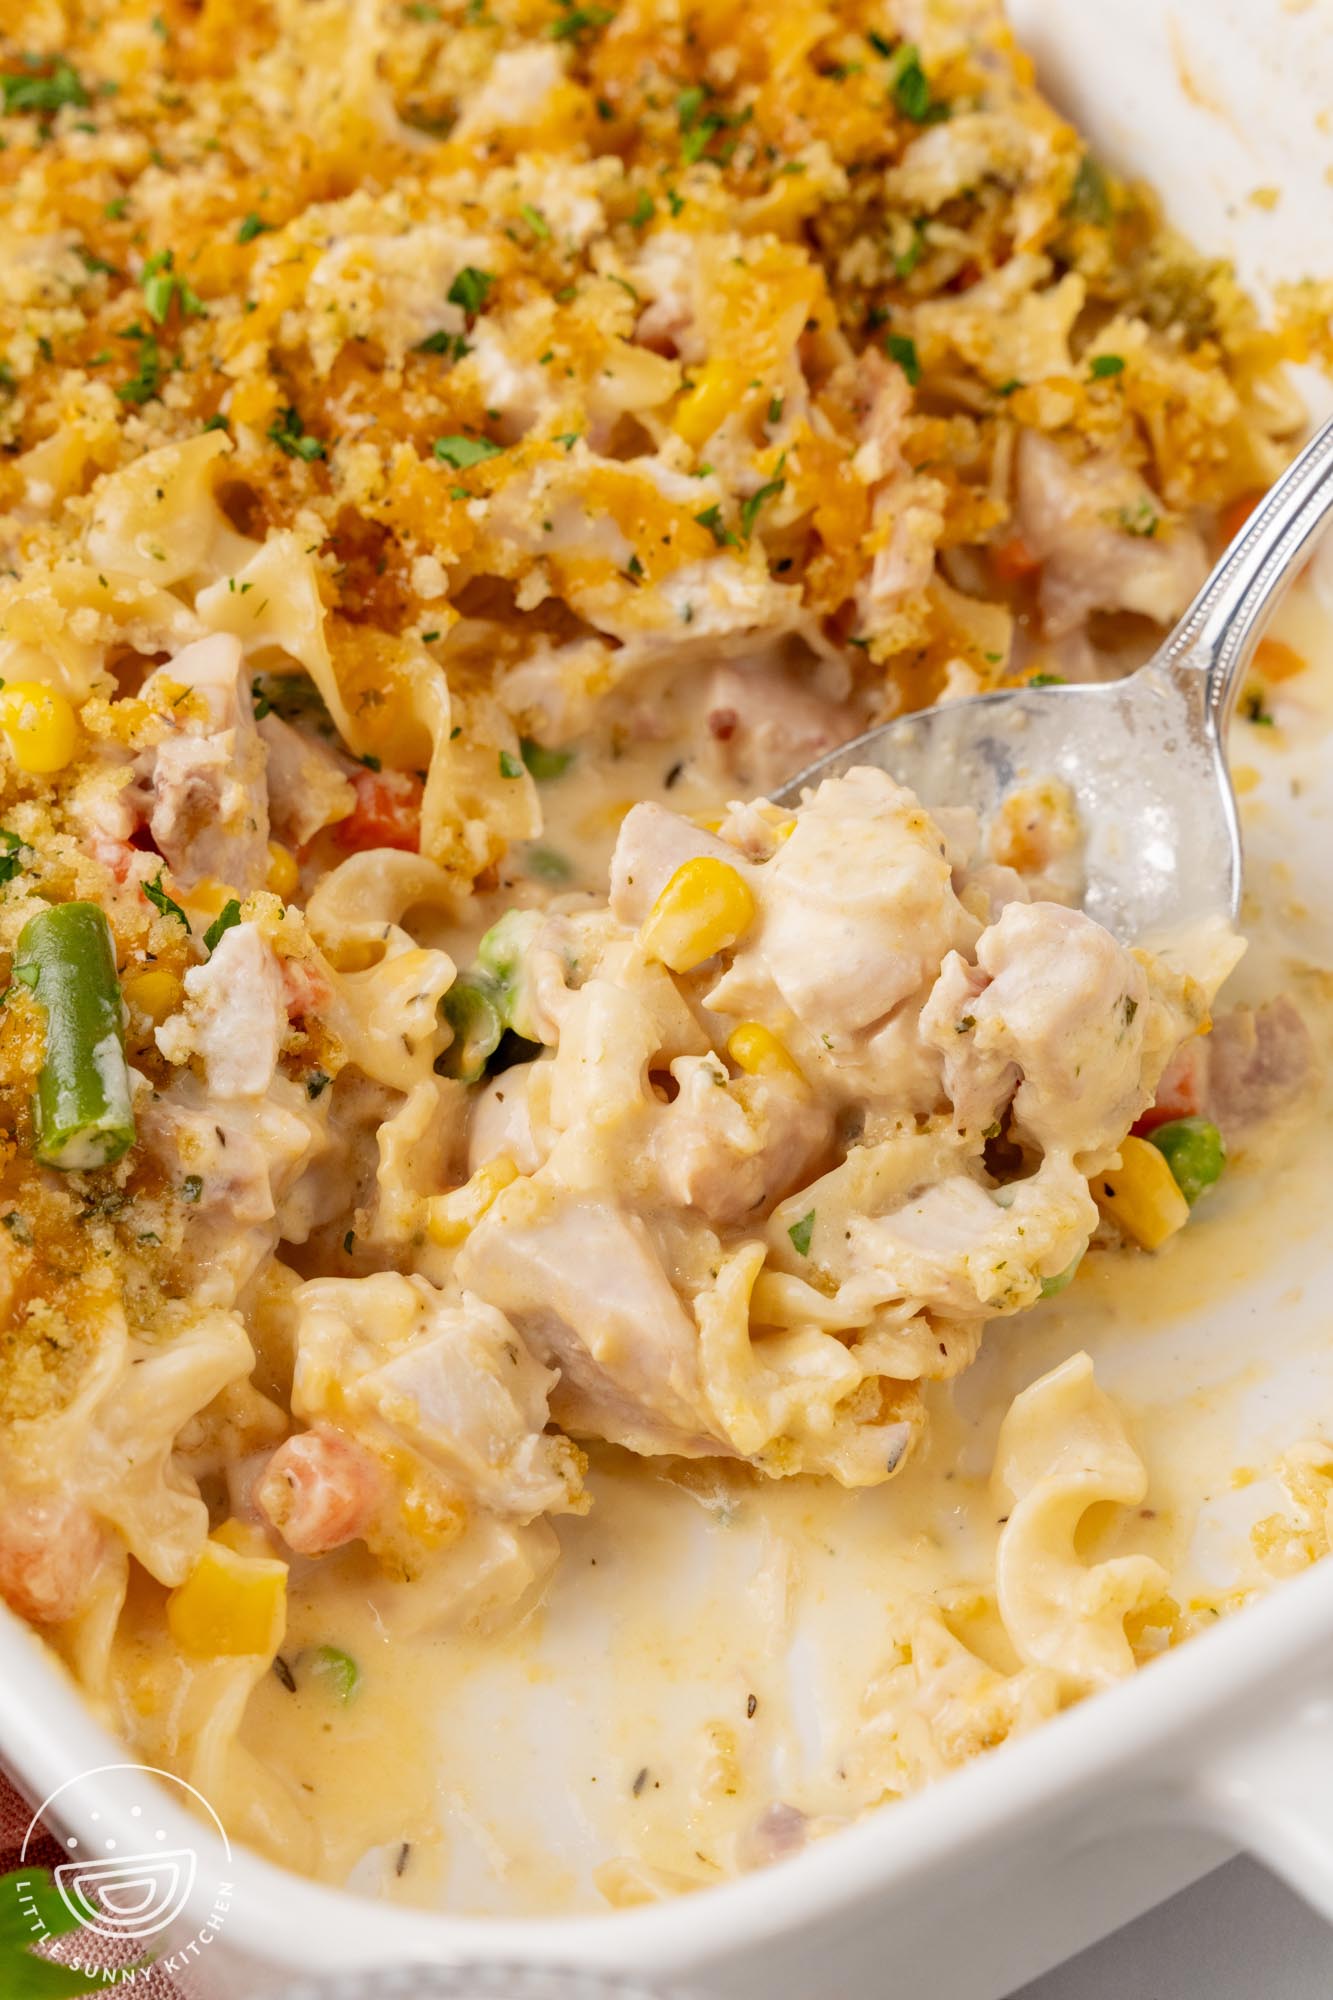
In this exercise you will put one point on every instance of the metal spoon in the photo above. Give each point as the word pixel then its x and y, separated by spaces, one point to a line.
pixel 1145 757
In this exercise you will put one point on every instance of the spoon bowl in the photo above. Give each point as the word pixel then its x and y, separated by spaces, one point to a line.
pixel 1144 757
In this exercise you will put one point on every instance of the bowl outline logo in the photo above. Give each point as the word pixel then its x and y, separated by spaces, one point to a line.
pixel 132 1896
pixel 114 1884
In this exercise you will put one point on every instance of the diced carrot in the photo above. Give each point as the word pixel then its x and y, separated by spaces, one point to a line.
pixel 1237 512
pixel 1180 1092
pixel 387 812
pixel 1013 560
pixel 1275 660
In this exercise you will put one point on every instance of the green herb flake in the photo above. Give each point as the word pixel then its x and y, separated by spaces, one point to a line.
pixel 463 452
pixel 164 904
pixel 645 208
pixel 226 919
pixel 751 507
pixel 253 225
pixel 544 764
pixel 44 93
pixel 536 221
pixel 1089 197
pixel 317 1083
pixel 191 1188
pixel 711 518
pixel 1103 366
pixel 510 765
pixel 801 1233
pixel 290 435
pixel 470 288
pixel 11 851
pixel 902 350
pixel 910 89
pixel 577 22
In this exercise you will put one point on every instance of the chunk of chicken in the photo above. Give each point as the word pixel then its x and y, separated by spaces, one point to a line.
pixel 858 910
pixel 652 844
pixel 452 1384
pixel 307 786
pixel 235 1016
pixel 320 1490
pixel 1054 1016
pixel 1101 537
pixel 730 1148
pixel 204 786
pixel 625 1347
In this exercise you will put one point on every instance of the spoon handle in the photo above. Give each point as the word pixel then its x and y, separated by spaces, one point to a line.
pixel 1217 634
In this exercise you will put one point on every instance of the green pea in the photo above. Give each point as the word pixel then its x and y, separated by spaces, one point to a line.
pixel 1195 1152
pixel 472 1009
pixel 1052 1287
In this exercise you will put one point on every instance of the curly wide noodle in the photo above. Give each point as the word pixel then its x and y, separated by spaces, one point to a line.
pixel 550 347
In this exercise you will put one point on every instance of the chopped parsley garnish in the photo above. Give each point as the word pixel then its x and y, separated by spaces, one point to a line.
pixel 1252 708
pixel 18 1226
pixel 698 127
pixel 576 22
pixel 1046 680
pixel 143 384
pixel 462 452
pixel 162 283
pixel 544 764
pixel 11 847
pixel 1089 197
pixel 902 350
pixel 1104 365
pixel 164 904
pixel 535 220
pixel 1141 519
pixel 317 1083
pixel 470 288
pixel 567 438
pixel 290 435
pixel 645 208
pixel 227 917
pixel 510 765
pixel 452 344
pixel 192 1187
pixel 59 86
pixel 774 410
pixel 711 518
pixel 253 225
pixel 910 88
pixel 750 508
pixel 218 422
pixel 801 1232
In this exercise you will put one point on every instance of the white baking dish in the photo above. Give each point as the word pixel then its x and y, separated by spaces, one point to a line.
pixel 1039 1849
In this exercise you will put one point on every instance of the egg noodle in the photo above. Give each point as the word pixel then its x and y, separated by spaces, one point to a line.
pixel 444 443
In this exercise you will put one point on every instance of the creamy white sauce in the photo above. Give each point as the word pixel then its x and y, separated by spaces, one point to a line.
pixel 713 1643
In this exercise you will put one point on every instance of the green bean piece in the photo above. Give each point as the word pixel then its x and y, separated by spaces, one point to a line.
pixel 1195 1152
pixel 82 1107
pixel 472 1009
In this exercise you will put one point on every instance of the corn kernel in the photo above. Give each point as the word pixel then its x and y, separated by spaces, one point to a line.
pixel 453 1216
pixel 284 875
pixel 208 898
pixel 230 1605
pixel 706 906
pixel 1141 1196
pixel 41 726
pixel 716 392
pixel 757 1050
pixel 154 992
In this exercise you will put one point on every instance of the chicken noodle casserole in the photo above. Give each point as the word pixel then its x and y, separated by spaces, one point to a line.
pixel 450 449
